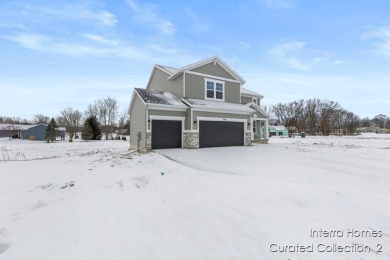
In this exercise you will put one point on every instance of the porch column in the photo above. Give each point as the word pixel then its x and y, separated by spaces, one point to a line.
pixel 266 134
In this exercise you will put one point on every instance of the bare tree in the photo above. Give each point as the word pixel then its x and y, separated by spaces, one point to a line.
pixel 380 120
pixel 123 117
pixel 106 111
pixel 70 118
pixel 365 122
pixel 351 122
pixel 92 110
pixel 41 119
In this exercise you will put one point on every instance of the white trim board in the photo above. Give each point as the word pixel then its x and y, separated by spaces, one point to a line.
pixel 167 107
pixel 169 118
pixel 173 118
pixel 202 118
pixel 216 110
pixel 215 89
pixel 238 120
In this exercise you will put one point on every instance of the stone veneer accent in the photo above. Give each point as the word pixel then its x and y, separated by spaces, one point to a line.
pixel 191 140
pixel 148 140
pixel 248 138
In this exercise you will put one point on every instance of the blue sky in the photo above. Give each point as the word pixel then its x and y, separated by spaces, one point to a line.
pixel 55 54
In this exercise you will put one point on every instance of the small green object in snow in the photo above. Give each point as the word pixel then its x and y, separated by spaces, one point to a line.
pixel 162 173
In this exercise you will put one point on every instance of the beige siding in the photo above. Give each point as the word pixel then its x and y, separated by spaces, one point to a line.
pixel 159 81
pixel 137 123
pixel 216 70
pixel 219 115
pixel 195 88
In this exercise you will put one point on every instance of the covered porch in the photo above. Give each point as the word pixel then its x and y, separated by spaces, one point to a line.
pixel 259 131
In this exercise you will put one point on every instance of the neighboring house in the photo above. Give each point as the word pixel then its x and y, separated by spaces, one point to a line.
pixel 61 132
pixel 26 131
pixel 278 130
pixel 38 131
pixel 195 106
pixel 23 131
pixel 370 129
pixel 8 130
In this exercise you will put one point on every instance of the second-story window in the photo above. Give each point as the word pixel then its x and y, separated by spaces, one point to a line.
pixel 214 89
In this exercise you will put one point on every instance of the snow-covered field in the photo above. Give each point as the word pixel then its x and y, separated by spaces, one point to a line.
pixel 95 200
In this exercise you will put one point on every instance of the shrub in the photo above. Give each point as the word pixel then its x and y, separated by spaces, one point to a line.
pixel 32 138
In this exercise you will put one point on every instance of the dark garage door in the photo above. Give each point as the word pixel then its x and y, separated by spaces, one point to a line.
pixel 166 134
pixel 216 133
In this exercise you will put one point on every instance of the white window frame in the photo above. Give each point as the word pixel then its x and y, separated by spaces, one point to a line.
pixel 215 89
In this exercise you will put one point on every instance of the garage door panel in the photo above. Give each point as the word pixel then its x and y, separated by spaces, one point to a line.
pixel 220 133
pixel 166 134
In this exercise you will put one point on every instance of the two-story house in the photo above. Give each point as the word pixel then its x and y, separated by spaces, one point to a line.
pixel 195 106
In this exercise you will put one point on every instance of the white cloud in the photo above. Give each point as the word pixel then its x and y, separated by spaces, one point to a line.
pixel 199 23
pixel 99 39
pixel 381 36
pixel 95 46
pixel 244 46
pixel 296 55
pixel 147 14
pixel 73 13
pixel 283 53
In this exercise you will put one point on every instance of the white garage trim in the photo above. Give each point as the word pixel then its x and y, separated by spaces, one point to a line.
pixel 169 118
pixel 244 121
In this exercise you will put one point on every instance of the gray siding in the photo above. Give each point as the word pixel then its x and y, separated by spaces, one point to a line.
pixel 195 88
pixel 188 120
pixel 232 92
pixel 259 115
pixel 159 81
pixel 219 115
pixel 137 123
pixel 246 100
pixel 216 70
pixel 166 113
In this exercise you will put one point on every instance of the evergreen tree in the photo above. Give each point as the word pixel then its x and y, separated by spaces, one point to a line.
pixel 86 132
pixel 51 131
pixel 94 124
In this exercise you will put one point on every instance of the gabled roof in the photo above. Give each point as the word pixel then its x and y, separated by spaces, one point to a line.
pixel 278 127
pixel 204 62
pixel 16 126
pixel 167 69
pixel 159 97
pixel 255 106
pixel 247 92
pixel 217 105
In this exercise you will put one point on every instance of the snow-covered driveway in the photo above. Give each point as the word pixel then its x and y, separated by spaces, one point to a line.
pixel 90 201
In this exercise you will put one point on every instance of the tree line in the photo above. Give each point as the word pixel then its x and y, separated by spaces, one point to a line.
pixel 321 117
pixel 100 117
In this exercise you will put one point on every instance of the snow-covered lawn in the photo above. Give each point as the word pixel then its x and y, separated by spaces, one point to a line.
pixel 95 200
